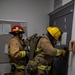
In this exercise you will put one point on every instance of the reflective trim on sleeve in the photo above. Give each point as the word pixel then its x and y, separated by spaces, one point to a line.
pixel 38 49
pixel 58 53
pixel 43 67
pixel 23 53
pixel 18 66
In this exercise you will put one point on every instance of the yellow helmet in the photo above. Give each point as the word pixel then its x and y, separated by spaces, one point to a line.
pixel 55 32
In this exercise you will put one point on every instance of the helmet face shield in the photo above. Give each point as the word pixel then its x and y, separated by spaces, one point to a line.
pixel 55 32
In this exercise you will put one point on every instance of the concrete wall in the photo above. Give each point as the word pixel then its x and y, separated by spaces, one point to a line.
pixel 34 12
pixel 51 5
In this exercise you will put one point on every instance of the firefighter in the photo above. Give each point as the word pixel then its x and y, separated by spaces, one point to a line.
pixel 43 61
pixel 16 51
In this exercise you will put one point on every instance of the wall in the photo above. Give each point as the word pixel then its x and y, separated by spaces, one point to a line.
pixel 51 5
pixel 34 12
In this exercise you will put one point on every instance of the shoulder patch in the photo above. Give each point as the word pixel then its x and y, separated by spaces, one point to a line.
pixel 14 43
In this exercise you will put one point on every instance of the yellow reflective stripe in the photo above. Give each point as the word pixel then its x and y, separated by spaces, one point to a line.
pixel 58 53
pixel 42 67
pixel 49 67
pixel 43 52
pixel 18 66
pixel 23 53
pixel 38 49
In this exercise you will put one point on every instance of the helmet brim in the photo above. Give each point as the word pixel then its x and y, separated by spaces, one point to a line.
pixel 16 32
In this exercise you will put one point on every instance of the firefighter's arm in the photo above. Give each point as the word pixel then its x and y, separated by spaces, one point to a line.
pixel 50 50
pixel 14 50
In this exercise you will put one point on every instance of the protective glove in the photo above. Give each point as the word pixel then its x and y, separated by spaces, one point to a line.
pixel 63 53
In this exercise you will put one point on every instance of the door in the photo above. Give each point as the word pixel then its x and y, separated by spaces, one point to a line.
pixel 63 19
